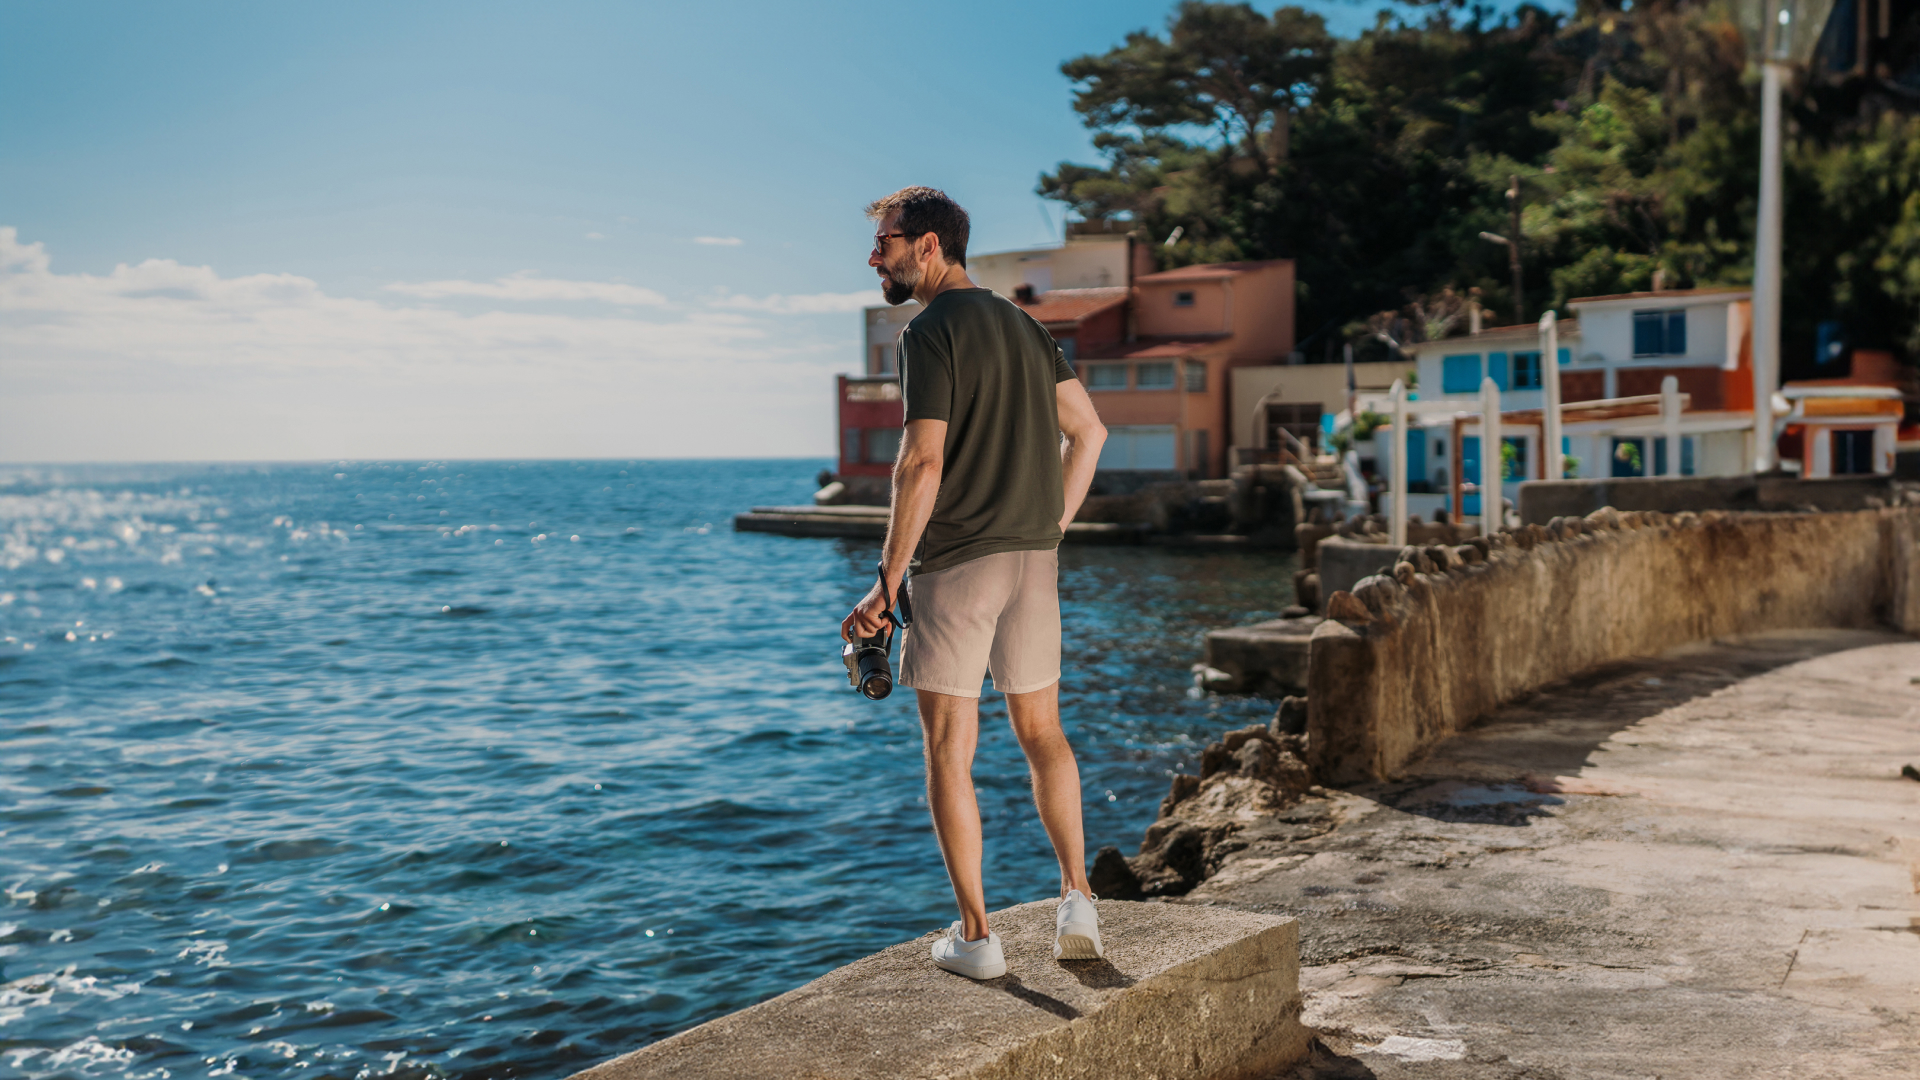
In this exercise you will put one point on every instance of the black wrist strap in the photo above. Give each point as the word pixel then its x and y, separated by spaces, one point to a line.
pixel 905 618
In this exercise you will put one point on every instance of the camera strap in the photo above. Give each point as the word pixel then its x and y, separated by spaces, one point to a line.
pixel 905 618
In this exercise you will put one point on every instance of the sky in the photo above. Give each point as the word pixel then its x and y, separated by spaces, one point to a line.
pixel 400 230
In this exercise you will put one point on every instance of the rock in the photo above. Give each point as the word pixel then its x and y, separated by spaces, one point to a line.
pixel 1172 859
pixel 1295 612
pixel 830 494
pixel 1468 554
pixel 1306 589
pixel 1111 876
pixel 1291 719
pixel 1344 607
pixel 1183 787
pixel 1404 573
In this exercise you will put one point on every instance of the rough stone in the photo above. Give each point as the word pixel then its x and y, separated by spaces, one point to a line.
pixel 1190 993
pixel 1266 658
pixel 1291 718
pixel 1423 661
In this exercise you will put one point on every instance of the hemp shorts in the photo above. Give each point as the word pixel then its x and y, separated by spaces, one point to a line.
pixel 998 613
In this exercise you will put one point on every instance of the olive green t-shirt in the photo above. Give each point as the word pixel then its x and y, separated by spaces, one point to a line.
pixel 988 369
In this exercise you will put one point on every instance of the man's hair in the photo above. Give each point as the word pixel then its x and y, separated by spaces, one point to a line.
pixel 928 210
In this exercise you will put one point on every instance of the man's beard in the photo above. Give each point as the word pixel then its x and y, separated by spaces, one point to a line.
pixel 900 283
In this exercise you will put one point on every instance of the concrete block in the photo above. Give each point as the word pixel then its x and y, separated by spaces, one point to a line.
pixel 1344 561
pixel 1266 658
pixel 1185 992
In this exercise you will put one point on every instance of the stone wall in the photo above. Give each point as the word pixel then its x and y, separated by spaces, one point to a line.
pixel 1406 659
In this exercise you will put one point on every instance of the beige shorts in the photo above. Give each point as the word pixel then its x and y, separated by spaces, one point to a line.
pixel 998 613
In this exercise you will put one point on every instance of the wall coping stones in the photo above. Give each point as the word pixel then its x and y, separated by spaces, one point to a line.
pixel 1185 992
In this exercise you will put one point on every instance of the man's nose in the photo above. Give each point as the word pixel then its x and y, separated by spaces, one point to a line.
pixel 874 260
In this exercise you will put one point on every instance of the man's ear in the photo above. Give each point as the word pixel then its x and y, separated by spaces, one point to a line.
pixel 929 244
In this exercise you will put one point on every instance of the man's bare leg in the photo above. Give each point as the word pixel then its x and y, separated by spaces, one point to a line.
pixel 951 726
pixel 1056 781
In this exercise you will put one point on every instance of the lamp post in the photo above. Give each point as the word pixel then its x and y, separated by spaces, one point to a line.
pixel 1767 239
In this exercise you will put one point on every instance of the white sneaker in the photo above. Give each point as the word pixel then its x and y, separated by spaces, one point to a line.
pixel 1076 929
pixel 975 959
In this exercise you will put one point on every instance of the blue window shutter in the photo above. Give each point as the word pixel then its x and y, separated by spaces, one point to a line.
pixel 1498 367
pixel 1460 374
pixel 1676 333
pixel 1416 456
pixel 1566 357
pixel 1647 332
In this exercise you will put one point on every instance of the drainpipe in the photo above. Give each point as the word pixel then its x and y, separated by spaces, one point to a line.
pixel 1553 462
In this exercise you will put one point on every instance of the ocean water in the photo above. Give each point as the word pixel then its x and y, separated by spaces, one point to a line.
pixel 492 769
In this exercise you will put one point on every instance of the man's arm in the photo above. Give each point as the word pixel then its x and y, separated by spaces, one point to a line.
pixel 1084 435
pixel 916 483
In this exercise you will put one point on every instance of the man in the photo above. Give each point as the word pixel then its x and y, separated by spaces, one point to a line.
pixel 1000 446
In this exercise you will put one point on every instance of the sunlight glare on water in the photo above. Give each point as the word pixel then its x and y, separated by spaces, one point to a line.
pixel 491 769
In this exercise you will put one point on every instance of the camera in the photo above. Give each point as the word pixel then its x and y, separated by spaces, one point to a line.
pixel 868 668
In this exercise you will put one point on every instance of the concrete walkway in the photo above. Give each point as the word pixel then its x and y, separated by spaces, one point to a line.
pixel 1695 866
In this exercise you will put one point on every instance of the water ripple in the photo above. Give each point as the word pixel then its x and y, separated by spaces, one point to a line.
pixel 370 768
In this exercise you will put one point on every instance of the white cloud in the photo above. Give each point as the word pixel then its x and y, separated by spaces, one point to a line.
pixel 596 236
pixel 719 241
pixel 162 361
pixel 524 286
pixel 808 304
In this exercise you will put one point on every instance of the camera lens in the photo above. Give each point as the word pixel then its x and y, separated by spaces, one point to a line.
pixel 877 687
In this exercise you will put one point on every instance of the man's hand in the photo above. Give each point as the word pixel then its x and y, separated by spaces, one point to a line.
pixel 868 616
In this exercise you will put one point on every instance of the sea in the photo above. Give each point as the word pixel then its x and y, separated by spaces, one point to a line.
pixel 495 769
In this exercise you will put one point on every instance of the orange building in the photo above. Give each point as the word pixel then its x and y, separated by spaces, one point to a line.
pixel 1162 390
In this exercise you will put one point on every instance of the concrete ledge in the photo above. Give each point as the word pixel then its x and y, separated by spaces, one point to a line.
pixel 1185 992
pixel 870 522
pixel 1267 658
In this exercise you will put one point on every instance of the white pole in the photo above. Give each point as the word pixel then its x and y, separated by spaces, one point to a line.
pixel 1766 259
pixel 1670 423
pixel 1397 483
pixel 1554 461
pixel 1490 458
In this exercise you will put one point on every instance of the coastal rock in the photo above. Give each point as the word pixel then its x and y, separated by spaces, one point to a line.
pixel 1248 774
pixel 1291 719
pixel 1111 876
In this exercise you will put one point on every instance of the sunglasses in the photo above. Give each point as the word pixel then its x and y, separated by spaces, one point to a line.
pixel 880 239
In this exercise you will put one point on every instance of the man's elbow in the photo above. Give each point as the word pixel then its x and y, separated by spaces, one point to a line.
pixel 1091 435
pixel 910 466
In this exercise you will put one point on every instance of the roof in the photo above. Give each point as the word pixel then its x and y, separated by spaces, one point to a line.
pixel 1152 348
pixel 1206 272
pixel 1073 305
pixel 1730 292
pixel 1501 335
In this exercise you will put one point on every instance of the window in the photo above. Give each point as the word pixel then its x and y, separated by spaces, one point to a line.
pixel 885 362
pixel 1068 348
pixel 1196 377
pixel 850 445
pixel 1630 457
pixel 1153 377
pixel 883 445
pixel 1198 462
pixel 1526 371
pixel 1106 376
pixel 1852 452
pixel 1659 333
pixel 1148 446
pixel 1184 298
pixel 1460 374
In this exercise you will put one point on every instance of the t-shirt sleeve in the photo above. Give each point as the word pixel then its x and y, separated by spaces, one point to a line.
pixel 926 371
pixel 1062 371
